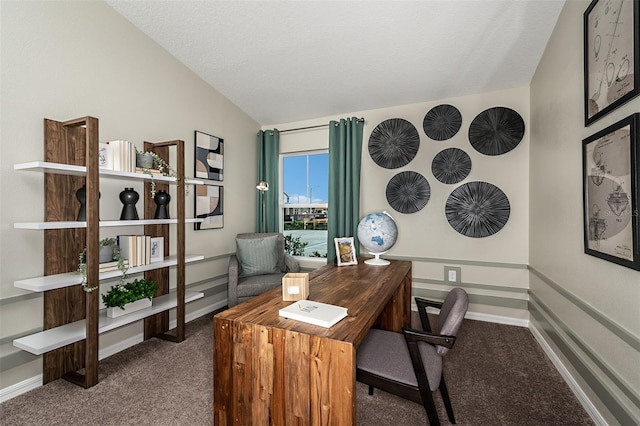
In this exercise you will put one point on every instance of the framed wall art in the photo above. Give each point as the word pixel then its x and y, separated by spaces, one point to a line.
pixel 610 177
pixel 611 53
pixel 345 251
pixel 209 157
pixel 209 206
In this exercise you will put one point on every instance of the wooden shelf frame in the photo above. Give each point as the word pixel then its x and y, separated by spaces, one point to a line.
pixel 71 161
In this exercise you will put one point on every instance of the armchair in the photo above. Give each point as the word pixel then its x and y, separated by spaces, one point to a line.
pixel 258 265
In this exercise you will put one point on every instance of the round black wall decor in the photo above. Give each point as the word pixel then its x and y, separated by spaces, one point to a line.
pixel 496 131
pixel 477 209
pixel 408 192
pixel 442 122
pixel 394 143
pixel 451 165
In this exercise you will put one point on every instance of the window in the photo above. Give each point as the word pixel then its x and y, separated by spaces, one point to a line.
pixel 305 202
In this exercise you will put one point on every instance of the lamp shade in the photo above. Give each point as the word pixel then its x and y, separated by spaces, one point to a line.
pixel 262 186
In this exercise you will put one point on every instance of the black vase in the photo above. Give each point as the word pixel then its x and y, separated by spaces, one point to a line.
pixel 129 197
pixel 81 195
pixel 162 199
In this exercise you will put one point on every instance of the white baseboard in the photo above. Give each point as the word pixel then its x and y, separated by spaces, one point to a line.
pixel 568 378
pixel 498 319
pixel 36 381
pixel 20 388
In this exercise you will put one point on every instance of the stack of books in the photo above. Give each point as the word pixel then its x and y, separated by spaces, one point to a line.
pixel 136 249
pixel 117 155
pixel 111 266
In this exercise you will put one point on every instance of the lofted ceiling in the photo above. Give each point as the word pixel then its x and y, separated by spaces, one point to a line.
pixel 286 61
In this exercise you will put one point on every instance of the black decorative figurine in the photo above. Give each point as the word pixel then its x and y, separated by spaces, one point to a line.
pixel 162 199
pixel 129 197
pixel 81 195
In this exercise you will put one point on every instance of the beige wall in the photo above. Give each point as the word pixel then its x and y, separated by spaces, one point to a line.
pixel 493 268
pixel 64 60
pixel 586 308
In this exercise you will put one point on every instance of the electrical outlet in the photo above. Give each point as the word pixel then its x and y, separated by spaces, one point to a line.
pixel 452 274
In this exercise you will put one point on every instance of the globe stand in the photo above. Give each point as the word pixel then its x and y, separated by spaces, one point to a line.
pixel 376 260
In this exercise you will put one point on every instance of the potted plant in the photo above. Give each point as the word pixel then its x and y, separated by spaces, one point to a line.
pixel 151 163
pixel 105 245
pixel 122 299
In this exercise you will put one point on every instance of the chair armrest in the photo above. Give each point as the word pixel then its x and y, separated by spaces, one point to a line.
pixel 232 274
pixel 422 311
pixel 412 336
pixel 428 303
pixel 291 263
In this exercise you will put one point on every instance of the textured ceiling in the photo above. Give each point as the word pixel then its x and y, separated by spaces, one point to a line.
pixel 285 61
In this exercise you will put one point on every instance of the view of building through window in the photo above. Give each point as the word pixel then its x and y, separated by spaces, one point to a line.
pixel 305 202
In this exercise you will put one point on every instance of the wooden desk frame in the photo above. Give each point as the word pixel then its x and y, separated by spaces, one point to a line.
pixel 269 370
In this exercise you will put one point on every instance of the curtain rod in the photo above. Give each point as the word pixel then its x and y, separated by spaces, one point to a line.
pixel 314 127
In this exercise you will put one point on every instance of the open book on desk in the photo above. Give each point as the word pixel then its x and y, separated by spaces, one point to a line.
pixel 316 313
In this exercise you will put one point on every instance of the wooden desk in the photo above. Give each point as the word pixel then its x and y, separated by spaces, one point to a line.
pixel 272 370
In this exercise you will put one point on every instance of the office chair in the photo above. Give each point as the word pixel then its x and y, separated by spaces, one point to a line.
pixel 409 364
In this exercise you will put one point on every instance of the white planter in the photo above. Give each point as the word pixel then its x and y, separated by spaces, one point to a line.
pixel 128 308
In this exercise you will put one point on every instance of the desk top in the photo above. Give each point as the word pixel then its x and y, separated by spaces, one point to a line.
pixel 363 289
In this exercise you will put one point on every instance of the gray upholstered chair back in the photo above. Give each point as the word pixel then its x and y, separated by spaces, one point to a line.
pixel 253 235
pixel 451 315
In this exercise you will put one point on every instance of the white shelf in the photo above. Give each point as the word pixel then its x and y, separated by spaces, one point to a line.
pixel 101 224
pixel 52 282
pixel 58 337
pixel 69 169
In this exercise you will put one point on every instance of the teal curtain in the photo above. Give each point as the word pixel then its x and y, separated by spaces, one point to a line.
pixel 345 150
pixel 267 202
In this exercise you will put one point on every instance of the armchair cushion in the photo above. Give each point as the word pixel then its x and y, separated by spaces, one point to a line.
pixel 258 256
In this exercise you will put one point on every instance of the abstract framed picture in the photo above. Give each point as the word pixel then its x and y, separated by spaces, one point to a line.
pixel 345 251
pixel 610 193
pixel 611 53
pixel 209 157
pixel 209 207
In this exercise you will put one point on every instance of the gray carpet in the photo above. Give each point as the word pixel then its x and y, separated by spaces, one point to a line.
pixel 496 375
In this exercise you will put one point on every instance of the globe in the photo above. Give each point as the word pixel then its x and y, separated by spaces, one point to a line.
pixel 377 232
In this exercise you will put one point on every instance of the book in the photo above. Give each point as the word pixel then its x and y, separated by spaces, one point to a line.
pixel 127 245
pixel 111 264
pixel 322 314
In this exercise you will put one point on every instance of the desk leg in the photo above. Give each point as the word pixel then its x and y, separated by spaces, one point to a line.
pixel 397 313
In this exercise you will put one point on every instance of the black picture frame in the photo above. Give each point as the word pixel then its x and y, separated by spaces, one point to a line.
pixel 610 161
pixel 611 53
pixel 209 206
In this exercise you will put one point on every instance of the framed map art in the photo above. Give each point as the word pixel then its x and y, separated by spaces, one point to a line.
pixel 611 54
pixel 610 177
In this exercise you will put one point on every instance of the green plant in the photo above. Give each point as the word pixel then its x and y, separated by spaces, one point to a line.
pixel 294 246
pixel 160 165
pixel 121 294
pixel 82 266
pixel 316 253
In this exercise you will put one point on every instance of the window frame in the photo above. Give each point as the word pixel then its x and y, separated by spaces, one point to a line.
pixel 281 203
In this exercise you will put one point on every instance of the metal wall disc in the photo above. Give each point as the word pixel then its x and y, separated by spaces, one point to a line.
pixel 408 192
pixel 394 143
pixel 496 131
pixel 477 209
pixel 442 122
pixel 451 165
